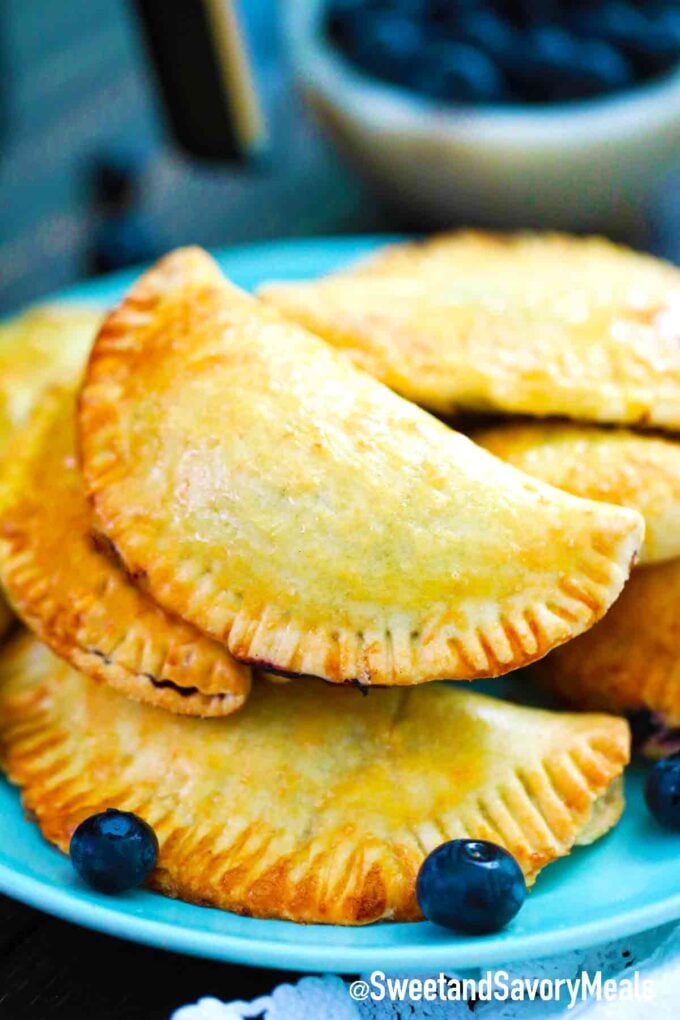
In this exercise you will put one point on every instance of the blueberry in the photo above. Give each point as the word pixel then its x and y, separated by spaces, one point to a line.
pixel 617 22
pixel 668 17
pixel 459 73
pixel 346 21
pixel 602 68
pixel 487 30
pixel 114 851
pixel 470 885
pixel 553 65
pixel 386 44
pixel 538 66
pixel 595 68
pixel 650 38
pixel 657 49
pixel 662 791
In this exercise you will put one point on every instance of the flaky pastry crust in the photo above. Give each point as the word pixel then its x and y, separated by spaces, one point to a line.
pixel 45 345
pixel 312 804
pixel 629 661
pixel 66 588
pixel 539 324
pixel 614 465
pixel 295 508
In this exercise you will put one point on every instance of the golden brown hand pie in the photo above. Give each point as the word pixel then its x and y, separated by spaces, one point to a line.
pixel 312 803
pixel 629 663
pixel 71 594
pixel 47 344
pixel 614 465
pixel 285 503
pixel 528 323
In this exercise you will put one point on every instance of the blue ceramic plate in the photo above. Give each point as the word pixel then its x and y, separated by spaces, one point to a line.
pixel 628 881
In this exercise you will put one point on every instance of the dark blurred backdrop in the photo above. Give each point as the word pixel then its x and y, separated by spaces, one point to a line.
pixel 76 94
pixel 81 130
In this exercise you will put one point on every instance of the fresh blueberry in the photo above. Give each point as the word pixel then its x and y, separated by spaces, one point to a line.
pixel 616 22
pixel 602 68
pixel 470 885
pixel 649 36
pixel 457 73
pixel 657 49
pixel 667 16
pixel 114 851
pixel 662 791
pixel 538 66
pixel 553 65
pixel 488 31
pixel 347 19
pixel 386 44
pixel 595 68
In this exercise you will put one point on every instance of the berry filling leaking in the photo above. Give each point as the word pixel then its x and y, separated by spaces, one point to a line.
pixel 652 736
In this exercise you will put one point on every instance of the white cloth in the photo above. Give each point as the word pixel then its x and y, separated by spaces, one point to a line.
pixel 655 955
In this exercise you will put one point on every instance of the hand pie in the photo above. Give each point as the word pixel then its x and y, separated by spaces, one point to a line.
pixel 295 508
pixel 71 594
pixel 614 465
pixel 311 804
pixel 529 323
pixel 48 344
pixel 630 662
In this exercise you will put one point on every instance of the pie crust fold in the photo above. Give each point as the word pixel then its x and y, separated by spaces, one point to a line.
pixel 63 583
pixel 286 503
pixel 312 804
pixel 613 465
pixel 538 324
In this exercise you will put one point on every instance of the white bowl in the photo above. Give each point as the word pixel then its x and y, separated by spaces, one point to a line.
pixel 584 165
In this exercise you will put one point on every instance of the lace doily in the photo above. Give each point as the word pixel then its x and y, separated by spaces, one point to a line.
pixel 655 955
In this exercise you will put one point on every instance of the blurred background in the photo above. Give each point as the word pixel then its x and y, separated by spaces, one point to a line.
pixel 379 114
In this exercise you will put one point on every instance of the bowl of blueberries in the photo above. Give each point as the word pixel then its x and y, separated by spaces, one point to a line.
pixel 546 113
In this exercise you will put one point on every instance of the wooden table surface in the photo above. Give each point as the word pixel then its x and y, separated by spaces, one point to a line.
pixel 50 969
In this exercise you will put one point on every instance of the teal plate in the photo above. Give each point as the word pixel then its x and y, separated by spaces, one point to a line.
pixel 626 882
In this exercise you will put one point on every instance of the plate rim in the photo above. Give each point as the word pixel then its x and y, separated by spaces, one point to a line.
pixel 326 958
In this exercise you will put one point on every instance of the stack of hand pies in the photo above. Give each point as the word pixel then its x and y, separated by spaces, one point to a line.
pixel 237 489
